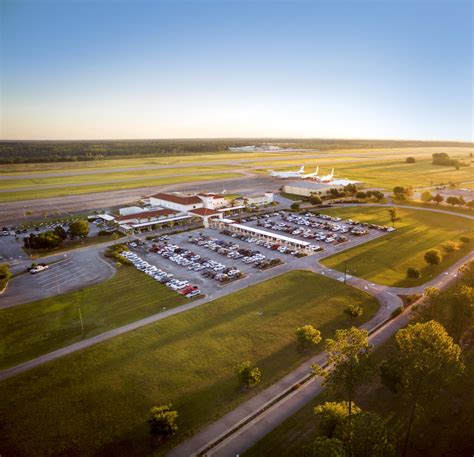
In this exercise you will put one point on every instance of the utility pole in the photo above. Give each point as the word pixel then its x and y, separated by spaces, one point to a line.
pixel 345 271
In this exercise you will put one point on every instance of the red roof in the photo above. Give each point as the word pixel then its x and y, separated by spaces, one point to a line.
pixel 178 199
pixel 204 212
pixel 146 215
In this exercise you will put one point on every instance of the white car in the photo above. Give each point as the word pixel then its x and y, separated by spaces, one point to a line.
pixel 38 268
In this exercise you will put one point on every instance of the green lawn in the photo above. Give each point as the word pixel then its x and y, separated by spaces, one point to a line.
pixel 87 189
pixel 42 326
pixel 96 402
pixel 385 260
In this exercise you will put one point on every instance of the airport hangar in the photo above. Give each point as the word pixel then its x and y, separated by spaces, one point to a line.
pixel 306 188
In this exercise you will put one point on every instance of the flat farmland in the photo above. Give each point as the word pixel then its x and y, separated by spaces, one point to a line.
pixel 96 402
pixel 385 260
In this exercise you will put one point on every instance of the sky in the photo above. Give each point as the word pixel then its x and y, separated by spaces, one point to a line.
pixel 396 69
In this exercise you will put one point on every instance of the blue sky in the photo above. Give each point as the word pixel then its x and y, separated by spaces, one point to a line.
pixel 176 69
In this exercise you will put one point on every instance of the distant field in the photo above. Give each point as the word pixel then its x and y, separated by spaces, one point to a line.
pixel 98 178
pixel 59 167
pixel 386 259
pixel 384 173
pixel 96 402
pixel 42 326
pixel 86 189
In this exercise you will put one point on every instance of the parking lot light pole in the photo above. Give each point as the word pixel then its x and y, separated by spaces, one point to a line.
pixel 345 271
pixel 80 317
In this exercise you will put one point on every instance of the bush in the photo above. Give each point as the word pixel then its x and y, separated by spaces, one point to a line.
pixel 450 246
pixel 295 206
pixel 248 375
pixel 115 252
pixel 5 275
pixel 307 336
pixel 410 160
pixel 413 272
pixel 163 421
pixel 433 257
pixel 464 239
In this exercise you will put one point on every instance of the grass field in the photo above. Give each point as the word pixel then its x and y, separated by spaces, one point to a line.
pixel 385 173
pixel 96 402
pixel 86 189
pixel 42 326
pixel 102 178
pixel 386 259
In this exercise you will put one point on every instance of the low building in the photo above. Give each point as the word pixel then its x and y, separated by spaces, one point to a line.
pixel 150 218
pixel 205 214
pixel 176 202
pixel 257 199
pixel 306 188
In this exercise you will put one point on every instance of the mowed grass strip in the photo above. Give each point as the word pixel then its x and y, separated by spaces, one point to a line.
pixel 385 260
pixel 96 402
pixel 98 178
pixel 36 328
pixel 88 189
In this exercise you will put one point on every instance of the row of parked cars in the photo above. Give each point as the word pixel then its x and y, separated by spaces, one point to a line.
pixel 359 226
pixel 182 287
pixel 195 262
pixel 232 250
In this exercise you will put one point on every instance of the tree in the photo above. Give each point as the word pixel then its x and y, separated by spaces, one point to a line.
pixel 348 354
pixel 295 206
pixel 467 271
pixel 461 201
pixel 163 421
pixel 428 360
pixel 59 231
pixel 361 195
pixel 79 229
pixel 410 160
pixel 248 375
pixel 315 199
pixel 351 189
pixel 438 198
pixel 433 257
pixel 392 211
pixel 45 240
pixel 413 272
pixel 353 312
pixel 307 337
pixel 452 200
pixel 426 196
pixel 333 414
pixel 365 435
pixel 470 204
pixel 464 239
pixel 323 446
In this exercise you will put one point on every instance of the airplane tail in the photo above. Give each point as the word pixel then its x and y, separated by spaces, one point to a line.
pixel 317 171
pixel 301 170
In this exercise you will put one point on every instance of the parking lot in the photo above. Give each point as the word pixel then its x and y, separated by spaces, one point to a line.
pixel 209 259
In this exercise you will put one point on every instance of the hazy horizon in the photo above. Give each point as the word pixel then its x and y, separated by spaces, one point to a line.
pixel 90 71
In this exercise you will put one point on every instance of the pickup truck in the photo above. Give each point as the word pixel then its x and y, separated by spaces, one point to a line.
pixel 38 269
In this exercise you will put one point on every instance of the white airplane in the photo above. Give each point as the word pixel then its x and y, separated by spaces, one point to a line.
pixel 328 177
pixel 311 175
pixel 287 174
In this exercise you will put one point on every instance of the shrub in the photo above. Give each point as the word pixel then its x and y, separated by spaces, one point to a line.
pixel 163 421
pixel 248 375
pixel 5 275
pixel 413 272
pixel 450 246
pixel 295 206
pixel 464 239
pixel 307 336
pixel 410 160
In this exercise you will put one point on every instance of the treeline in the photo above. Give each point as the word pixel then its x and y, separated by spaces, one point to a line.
pixel 71 151
pixel 443 159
